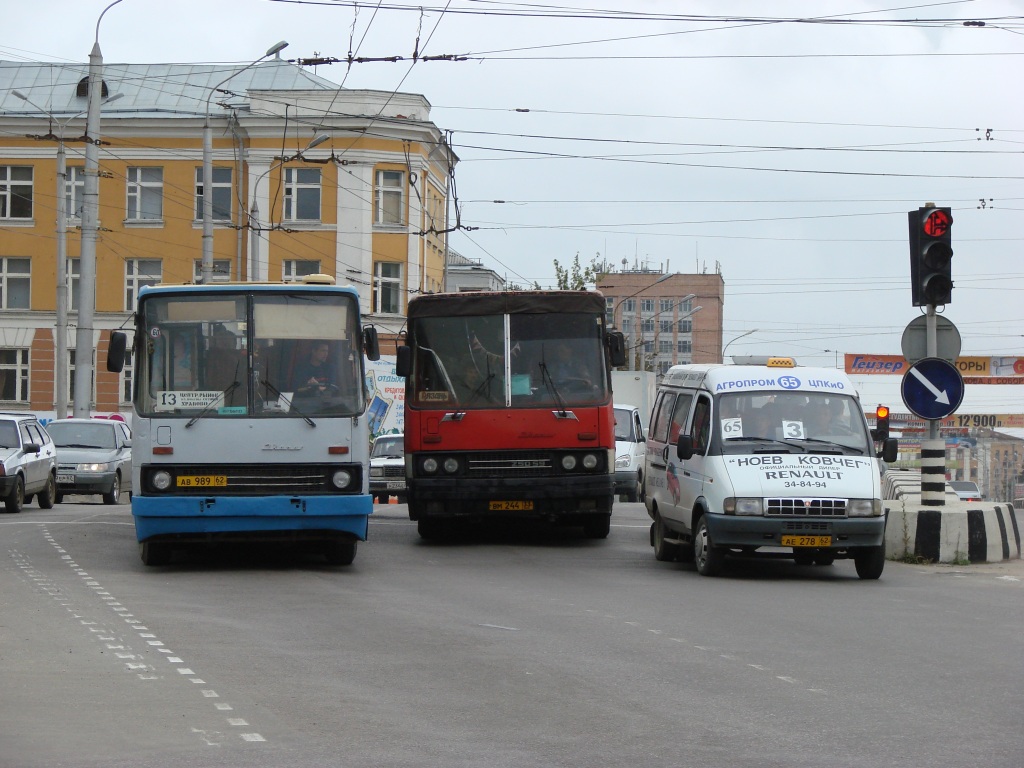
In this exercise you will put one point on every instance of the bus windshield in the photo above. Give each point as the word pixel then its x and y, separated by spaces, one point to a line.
pixel 803 419
pixel 249 354
pixel 516 360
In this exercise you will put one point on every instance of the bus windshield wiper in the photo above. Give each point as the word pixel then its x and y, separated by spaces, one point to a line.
pixel 841 446
pixel 545 376
pixel 291 404
pixel 222 397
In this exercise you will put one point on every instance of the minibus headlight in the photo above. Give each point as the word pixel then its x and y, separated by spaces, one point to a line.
pixel 341 478
pixel 568 462
pixel 162 480
pixel 622 462
pixel 589 461
pixel 430 465
pixel 864 508
pixel 743 506
pixel 451 465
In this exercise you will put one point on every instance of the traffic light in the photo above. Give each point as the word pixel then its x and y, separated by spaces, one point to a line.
pixel 931 256
pixel 881 430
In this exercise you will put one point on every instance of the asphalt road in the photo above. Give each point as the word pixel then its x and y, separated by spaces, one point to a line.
pixel 513 648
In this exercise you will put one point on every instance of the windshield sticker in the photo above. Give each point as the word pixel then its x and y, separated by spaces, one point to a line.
pixel 732 427
pixel 434 396
pixel 183 399
pixel 793 430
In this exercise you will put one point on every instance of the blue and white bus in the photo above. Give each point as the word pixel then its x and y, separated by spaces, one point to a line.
pixel 249 422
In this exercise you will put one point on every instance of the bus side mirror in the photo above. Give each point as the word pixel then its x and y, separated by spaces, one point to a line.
pixel 115 351
pixel 616 343
pixel 371 345
pixel 403 364
pixel 684 446
pixel 890 450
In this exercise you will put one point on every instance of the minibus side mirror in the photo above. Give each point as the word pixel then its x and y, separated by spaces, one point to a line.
pixel 684 446
pixel 890 450
pixel 403 363
pixel 115 351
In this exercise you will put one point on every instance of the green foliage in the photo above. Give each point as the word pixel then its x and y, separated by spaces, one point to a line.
pixel 577 278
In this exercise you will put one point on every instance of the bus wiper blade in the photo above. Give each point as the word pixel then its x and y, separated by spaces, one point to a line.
pixel 834 444
pixel 545 376
pixel 223 396
pixel 279 394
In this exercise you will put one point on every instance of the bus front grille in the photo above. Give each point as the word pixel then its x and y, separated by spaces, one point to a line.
pixel 509 464
pixel 806 507
pixel 253 479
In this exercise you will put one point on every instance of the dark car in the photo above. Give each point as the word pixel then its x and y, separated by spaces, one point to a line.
pixel 94 456
pixel 27 462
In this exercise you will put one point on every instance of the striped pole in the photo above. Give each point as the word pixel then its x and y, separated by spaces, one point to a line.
pixel 933 473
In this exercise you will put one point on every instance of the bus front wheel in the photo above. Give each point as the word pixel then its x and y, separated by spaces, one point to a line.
pixel 341 551
pixel 154 552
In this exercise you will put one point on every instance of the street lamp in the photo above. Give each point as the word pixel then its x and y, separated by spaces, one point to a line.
pixel 60 365
pixel 207 265
pixel 254 210
pixel 755 330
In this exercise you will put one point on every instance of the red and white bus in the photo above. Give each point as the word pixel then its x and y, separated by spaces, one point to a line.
pixel 508 408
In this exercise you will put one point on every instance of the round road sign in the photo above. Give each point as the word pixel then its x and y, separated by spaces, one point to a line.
pixel 932 388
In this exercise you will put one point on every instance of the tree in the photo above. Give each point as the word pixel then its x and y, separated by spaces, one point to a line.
pixel 577 278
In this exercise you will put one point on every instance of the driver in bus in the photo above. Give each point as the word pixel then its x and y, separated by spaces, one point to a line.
pixel 315 376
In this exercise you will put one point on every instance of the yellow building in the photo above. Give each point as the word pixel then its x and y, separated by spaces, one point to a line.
pixel 307 178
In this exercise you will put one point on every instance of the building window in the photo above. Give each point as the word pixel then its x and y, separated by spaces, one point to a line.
pixel 684 347
pixel 390 198
pixel 686 306
pixel 647 306
pixel 666 305
pixel 294 269
pixel 629 306
pixel 221 270
pixel 664 347
pixel 627 327
pixel 647 325
pixel 665 325
pixel 73 279
pixel 145 194
pixel 126 379
pixel 15 192
pixel 15 282
pixel 302 194
pixel 74 191
pixel 663 366
pixel 221 189
pixel 137 274
pixel 685 326
pixel 71 379
pixel 14 375
pixel 387 287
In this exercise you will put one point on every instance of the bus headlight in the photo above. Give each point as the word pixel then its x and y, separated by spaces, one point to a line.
pixel 162 480
pixel 430 465
pixel 864 508
pixel 743 506
pixel 568 462
pixel 451 465
pixel 341 478
pixel 589 461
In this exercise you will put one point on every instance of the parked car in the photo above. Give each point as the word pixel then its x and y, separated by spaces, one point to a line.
pixel 94 456
pixel 966 490
pixel 28 462
pixel 387 468
pixel 630 452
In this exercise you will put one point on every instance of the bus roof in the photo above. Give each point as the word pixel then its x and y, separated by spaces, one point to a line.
pixel 740 378
pixel 199 289
pixel 475 303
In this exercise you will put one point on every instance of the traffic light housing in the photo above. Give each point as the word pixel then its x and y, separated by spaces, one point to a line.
pixel 931 256
pixel 881 430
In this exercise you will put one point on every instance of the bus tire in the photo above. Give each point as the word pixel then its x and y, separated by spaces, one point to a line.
pixel 708 558
pixel 154 553
pixel 341 551
pixel 663 551
pixel 869 561
pixel 597 526
pixel 430 528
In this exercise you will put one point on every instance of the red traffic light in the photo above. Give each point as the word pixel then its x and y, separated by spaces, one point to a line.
pixel 938 223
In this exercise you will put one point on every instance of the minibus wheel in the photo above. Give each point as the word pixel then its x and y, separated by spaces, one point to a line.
pixel 663 551
pixel 707 557
pixel 869 561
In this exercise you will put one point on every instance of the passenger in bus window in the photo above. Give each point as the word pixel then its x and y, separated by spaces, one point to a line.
pixel 226 365
pixel 315 376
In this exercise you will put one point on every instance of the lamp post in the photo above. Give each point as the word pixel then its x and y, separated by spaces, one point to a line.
pixel 207 264
pixel 60 364
pixel 254 209
pixel 737 338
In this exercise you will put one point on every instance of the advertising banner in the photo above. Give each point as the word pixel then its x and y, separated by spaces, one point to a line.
pixel 387 397
pixel 1006 369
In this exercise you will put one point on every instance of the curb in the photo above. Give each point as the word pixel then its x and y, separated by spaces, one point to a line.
pixel 981 532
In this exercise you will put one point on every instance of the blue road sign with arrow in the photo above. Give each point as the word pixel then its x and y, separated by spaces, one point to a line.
pixel 932 388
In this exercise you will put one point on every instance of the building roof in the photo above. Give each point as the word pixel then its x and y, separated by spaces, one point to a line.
pixel 165 90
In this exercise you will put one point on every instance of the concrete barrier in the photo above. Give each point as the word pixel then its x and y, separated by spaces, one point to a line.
pixel 972 531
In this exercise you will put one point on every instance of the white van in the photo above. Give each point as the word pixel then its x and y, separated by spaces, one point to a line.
pixel 745 457
pixel 630 452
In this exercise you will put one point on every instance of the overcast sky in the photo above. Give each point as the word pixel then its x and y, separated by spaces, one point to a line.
pixel 779 142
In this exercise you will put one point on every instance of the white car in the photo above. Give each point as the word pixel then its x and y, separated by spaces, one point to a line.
pixel 387 468
pixel 966 490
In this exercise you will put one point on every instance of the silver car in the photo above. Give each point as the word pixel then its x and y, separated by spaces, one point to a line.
pixel 27 462
pixel 94 456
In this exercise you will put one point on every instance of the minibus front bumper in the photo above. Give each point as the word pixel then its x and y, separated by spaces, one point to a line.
pixel 751 531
